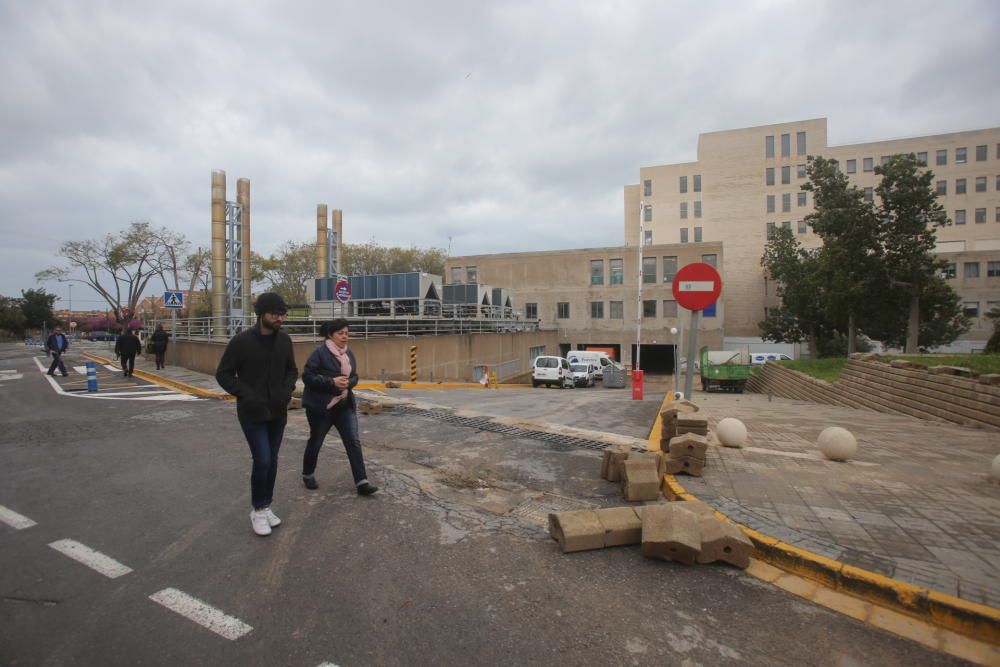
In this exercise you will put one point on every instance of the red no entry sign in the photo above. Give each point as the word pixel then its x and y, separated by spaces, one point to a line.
pixel 342 291
pixel 697 286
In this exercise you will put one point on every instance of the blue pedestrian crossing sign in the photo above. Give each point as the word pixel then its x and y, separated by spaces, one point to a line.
pixel 173 299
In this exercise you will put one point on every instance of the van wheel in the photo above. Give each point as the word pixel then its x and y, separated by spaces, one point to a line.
pixel 534 383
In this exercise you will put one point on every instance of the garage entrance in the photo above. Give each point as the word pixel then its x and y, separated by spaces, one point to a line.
pixel 656 359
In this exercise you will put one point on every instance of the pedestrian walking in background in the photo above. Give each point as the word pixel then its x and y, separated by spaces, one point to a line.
pixel 258 368
pixel 329 377
pixel 57 343
pixel 159 340
pixel 127 347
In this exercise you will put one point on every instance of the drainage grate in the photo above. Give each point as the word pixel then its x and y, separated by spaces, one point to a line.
pixel 487 424
pixel 538 509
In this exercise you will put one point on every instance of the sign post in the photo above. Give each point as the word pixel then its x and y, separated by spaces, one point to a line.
pixel 696 287
pixel 174 301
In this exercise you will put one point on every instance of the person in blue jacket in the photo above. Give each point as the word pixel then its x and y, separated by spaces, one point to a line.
pixel 329 377
pixel 57 344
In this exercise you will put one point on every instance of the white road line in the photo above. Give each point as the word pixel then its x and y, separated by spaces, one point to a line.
pixel 95 560
pixel 118 392
pixel 161 397
pixel 328 664
pixel 10 375
pixel 15 520
pixel 201 613
pixel 115 369
pixel 82 370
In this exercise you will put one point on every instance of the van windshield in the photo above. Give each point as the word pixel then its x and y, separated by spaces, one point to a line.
pixel 546 362
pixel 579 368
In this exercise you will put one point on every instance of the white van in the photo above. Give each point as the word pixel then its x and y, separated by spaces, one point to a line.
pixel 599 360
pixel 551 371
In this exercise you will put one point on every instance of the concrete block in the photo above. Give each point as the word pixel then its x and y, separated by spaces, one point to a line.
pixel 681 430
pixel 699 507
pixel 864 356
pixel 990 378
pixel 577 530
pixel 370 407
pixel 951 370
pixel 613 458
pixel 680 406
pixel 688 444
pixel 621 526
pixel 722 540
pixel 671 532
pixel 907 364
pixel 641 480
pixel 685 464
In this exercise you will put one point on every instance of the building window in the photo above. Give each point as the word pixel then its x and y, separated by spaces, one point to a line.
pixel 959 186
pixel 456 275
pixel 801 197
pixel 562 310
pixel 684 234
pixel 786 175
pixel 697 234
pixel 993 307
pixel 869 194
pixel 597 272
pixel 647 213
pixel 998 183
pixel 960 155
pixel 531 311
pixel 617 270
pixel 786 202
pixel 670 307
pixel 684 183
pixel 885 160
pixel 771 229
pixel 981 153
pixel 669 268
pixel 803 227
pixel 970 309
pixel 535 352
pixel 697 209
pixel 950 270
pixel 960 216
pixel 980 216
pixel 647 188
pixel 993 269
pixel 922 158
pixel 615 311
pixel 769 146
pixel 998 214
pixel 852 166
pixel 942 187
pixel 941 157
pixel 648 308
pixel 787 224
pixel 697 182
pixel 800 171
pixel 786 145
pixel 712 260
pixel 597 310
pixel 470 274
pixel 770 203
pixel 980 184
pixel 868 164
pixel 648 270
pixel 800 143
pixel 769 176
pixel 971 270
pixel 684 210
pixel 647 237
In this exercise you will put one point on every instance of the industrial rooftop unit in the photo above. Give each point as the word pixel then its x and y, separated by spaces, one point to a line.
pixel 392 294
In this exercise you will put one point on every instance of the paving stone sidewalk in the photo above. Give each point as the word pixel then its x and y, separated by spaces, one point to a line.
pixel 915 504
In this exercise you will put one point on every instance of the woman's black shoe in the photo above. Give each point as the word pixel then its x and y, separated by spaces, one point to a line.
pixel 367 489
pixel 310 482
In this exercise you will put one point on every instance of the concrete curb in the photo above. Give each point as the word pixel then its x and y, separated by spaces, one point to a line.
pixel 970 619
pixel 167 382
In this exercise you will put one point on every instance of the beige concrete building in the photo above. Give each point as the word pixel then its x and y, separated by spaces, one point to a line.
pixel 746 181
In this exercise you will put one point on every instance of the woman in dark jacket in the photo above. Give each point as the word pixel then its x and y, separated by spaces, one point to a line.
pixel 159 340
pixel 329 377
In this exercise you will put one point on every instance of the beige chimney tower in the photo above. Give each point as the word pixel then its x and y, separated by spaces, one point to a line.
pixel 322 263
pixel 219 254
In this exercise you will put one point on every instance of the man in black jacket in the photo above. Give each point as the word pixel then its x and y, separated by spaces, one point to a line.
pixel 57 344
pixel 258 368
pixel 127 347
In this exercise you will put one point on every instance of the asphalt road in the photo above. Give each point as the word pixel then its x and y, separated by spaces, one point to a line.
pixel 448 565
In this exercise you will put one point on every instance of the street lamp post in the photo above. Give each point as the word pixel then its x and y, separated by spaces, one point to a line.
pixel 677 370
pixel 638 319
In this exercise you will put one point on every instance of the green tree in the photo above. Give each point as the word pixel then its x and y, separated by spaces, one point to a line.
pixel 371 258
pixel 993 344
pixel 37 306
pixel 11 316
pixel 909 216
pixel 287 270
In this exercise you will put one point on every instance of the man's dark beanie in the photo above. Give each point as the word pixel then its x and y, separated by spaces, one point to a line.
pixel 269 302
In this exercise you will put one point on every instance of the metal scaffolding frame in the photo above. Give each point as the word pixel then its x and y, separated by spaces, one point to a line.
pixel 234 267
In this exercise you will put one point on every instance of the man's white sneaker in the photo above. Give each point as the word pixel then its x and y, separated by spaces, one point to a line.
pixel 260 523
pixel 272 518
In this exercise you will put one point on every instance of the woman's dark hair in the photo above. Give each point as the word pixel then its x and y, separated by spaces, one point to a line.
pixel 334 325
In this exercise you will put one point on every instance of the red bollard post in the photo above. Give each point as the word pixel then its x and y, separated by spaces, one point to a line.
pixel 637 385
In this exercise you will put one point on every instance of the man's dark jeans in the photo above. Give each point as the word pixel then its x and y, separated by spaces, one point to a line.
pixel 128 363
pixel 57 362
pixel 345 420
pixel 264 439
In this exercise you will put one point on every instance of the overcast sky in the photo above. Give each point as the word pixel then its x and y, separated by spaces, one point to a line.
pixel 489 126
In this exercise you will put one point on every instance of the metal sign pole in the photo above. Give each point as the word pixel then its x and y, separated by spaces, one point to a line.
pixel 692 348
pixel 173 335
pixel 638 319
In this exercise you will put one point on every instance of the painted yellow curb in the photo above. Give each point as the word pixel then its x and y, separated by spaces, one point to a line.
pixel 367 384
pixel 167 382
pixel 976 621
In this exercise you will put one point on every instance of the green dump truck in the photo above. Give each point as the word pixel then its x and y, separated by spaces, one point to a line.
pixel 724 370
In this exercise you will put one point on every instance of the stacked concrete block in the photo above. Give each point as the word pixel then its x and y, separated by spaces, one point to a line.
pixel 370 407
pixel 640 479
pixel 685 453
pixel 722 540
pixel 671 533
pixel 578 530
pixel 614 456
pixel 668 419
pixel 622 526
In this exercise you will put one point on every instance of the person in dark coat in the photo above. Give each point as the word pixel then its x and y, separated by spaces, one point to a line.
pixel 127 347
pixel 56 344
pixel 160 338
pixel 258 368
pixel 329 377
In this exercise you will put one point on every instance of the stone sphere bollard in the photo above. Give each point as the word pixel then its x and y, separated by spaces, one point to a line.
pixel 731 432
pixel 837 444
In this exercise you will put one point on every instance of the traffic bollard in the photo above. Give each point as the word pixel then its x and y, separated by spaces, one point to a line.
pixel 637 377
pixel 91 377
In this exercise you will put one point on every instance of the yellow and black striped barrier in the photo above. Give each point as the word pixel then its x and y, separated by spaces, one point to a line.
pixel 413 363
